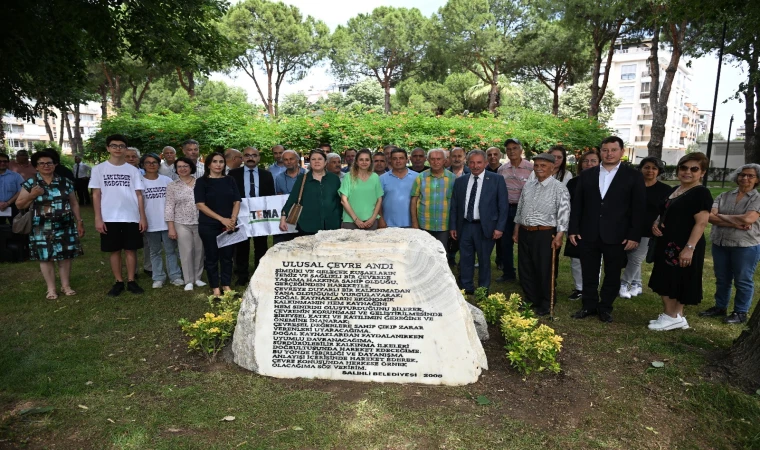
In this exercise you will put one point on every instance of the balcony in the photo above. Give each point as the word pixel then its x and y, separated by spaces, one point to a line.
pixel 642 138
pixel 646 73
pixel 644 95
pixel 644 117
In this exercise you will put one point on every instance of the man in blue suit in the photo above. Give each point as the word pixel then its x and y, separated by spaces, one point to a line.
pixel 478 216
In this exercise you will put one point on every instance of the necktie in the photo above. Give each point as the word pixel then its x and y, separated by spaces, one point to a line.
pixel 76 173
pixel 471 204
pixel 253 186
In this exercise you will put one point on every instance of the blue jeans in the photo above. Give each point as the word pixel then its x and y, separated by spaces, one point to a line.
pixel 737 264
pixel 157 240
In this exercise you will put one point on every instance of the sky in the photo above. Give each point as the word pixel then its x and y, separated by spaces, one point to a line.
pixel 337 12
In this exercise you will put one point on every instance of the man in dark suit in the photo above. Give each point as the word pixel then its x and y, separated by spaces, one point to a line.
pixel 478 216
pixel 605 222
pixel 251 181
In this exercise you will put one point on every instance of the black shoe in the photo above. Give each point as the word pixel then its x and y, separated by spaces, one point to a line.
pixel 541 312
pixel 605 316
pixel 134 288
pixel 736 318
pixel 582 314
pixel 499 266
pixel 576 295
pixel 713 312
pixel 116 289
pixel 148 273
pixel 503 279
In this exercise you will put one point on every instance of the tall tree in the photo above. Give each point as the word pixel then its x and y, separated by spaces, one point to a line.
pixel 481 34
pixel 386 45
pixel 554 54
pixel 675 23
pixel 274 38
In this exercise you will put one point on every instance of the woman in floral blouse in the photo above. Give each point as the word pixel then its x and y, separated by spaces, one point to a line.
pixel 56 224
pixel 181 216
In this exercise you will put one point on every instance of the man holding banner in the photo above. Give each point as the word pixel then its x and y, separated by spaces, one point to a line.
pixel 252 183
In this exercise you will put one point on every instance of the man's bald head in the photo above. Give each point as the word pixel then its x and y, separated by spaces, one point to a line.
pixel 233 158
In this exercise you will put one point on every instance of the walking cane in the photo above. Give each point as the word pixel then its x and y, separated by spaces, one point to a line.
pixel 553 288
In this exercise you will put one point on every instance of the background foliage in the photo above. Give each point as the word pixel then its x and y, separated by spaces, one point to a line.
pixel 220 126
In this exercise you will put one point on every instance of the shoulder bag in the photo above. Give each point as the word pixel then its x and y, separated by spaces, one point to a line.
pixel 295 211
pixel 22 223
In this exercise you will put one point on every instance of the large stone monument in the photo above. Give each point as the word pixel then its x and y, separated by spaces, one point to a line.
pixel 358 305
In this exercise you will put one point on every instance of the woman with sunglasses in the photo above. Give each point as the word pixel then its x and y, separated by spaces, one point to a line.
pixel 157 234
pixel 320 199
pixel 680 249
pixel 735 238
pixel 56 224
pixel 218 200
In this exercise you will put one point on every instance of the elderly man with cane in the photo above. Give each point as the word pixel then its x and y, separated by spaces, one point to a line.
pixel 543 216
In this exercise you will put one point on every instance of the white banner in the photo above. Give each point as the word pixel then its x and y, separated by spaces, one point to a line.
pixel 261 215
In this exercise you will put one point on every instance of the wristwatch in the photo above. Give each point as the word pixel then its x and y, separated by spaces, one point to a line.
pixel 690 246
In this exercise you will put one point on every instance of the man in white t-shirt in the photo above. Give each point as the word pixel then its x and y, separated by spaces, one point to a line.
pixel 119 212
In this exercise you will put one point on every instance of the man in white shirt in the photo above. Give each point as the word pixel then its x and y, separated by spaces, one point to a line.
pixel 168 158
pixel 119 212
pixel 81 180
pixel 192 150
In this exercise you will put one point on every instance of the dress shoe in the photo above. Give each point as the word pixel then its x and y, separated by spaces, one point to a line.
pixel 541 312
pixel 736 318
pixel 582 314
pixel 503 279
pixel 148 272
pixel 605 316
pixel 713 312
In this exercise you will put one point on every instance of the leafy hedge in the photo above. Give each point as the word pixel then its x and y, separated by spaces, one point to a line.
pixel 219 126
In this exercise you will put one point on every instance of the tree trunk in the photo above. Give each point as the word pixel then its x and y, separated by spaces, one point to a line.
pixel 744 357
pixel 493 96
pixel 77 133
pixel 137 98
pixel 189 85
pixel 64 121
pixel 756 134
pixel 2 132
pixel 749 123
pixel 555 100
pixel 48 128
pixel 387 91
pixel 597 90
pixel 103 91
pixel 114 85
pixel 658 101
pixel 72 143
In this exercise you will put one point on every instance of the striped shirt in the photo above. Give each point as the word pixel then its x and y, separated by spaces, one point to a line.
pixel 515 177
pixel 434 194
pixel 545 203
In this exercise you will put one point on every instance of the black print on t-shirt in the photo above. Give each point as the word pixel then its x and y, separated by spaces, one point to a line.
pixel 116 179
pixel 154 192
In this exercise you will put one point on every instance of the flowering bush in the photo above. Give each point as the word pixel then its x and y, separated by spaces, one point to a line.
pixel 218 126
pixel 212 332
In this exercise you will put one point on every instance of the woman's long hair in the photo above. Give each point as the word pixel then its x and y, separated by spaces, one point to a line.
pixel 207 164
pixel 355 167
pixel 560 175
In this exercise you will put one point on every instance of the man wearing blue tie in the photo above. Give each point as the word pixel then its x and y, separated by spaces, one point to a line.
pixel 478 216
pixel 251 182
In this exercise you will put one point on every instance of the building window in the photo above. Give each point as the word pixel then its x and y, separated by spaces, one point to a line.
pixel 624 134
pixel 645 86
pixel 628 72
pixel 626 93
pixel 623 114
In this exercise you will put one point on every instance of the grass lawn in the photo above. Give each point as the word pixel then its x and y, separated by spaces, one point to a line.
pixel 116 374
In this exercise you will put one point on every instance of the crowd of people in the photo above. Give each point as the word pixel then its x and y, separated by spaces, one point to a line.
pixel 611 217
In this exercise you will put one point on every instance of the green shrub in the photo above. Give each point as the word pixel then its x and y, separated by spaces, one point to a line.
pixel 220 126
pixel 213 331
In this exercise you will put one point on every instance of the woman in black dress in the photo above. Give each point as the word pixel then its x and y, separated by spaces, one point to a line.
pixel 218 200
pixel 680 249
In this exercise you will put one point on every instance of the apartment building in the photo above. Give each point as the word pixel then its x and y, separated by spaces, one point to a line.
pixel 631 81
pixel 22 134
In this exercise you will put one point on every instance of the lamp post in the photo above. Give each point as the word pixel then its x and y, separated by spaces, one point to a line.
pixel 715 101
pixel 728 144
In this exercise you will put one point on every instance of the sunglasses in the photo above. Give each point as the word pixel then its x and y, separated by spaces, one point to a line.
pixel 685 168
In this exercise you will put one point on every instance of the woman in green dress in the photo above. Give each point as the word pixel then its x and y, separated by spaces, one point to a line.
pixel 56 225
pixel 361 194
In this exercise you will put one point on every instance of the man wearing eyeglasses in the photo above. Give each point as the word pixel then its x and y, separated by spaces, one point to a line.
pixel 251 182
pixel 10 186
pixel 606 221
pixel 119 212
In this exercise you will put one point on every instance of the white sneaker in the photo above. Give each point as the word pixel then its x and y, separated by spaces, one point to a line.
pixel 658 318
pixel 158 284
pixel 665 323
pixel 189 287
pixel 199 283
pixel 624 292
pixel 635 290
pixel 178 282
